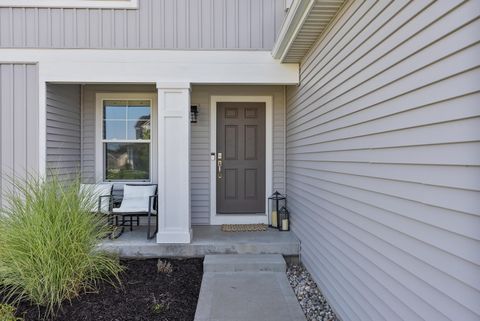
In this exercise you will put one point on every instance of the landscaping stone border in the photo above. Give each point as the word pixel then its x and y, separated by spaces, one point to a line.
pixel 312 301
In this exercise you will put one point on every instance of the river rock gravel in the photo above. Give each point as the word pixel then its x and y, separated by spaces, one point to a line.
pixel 312 301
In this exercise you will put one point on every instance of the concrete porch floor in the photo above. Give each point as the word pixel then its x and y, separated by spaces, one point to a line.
pixel 206 240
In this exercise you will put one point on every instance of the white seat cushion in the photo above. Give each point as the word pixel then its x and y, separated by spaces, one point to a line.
pixel 98 190
pixel 136 198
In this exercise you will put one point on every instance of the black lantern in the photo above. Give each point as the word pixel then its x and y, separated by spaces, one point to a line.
pixel 193 114
pixel 275 203
pixel 283 219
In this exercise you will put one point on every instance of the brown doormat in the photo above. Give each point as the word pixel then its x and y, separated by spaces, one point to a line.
pixel 243 227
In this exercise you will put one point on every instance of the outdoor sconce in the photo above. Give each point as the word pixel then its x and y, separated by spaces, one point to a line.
pixel 284 219
pixel 193 114
pixel 275 203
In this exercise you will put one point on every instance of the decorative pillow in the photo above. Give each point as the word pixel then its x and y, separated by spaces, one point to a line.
pixel 136 197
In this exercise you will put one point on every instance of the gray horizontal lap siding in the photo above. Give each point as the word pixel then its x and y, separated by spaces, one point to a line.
pixel 157 24
pixel 63 130
pixel 19 153
pixel 383 161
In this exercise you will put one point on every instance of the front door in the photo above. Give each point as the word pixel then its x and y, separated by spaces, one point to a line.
pixel 240 158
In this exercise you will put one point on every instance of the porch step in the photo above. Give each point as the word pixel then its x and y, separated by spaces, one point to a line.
pixel 244 263
pixel 207 240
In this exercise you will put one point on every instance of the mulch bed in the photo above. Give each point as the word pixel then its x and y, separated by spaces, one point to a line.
pixel 144 295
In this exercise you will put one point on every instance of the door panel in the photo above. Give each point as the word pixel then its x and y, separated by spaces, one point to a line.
pixel 241 142
pixel 231 139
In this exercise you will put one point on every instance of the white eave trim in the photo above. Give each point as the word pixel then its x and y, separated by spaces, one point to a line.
pixel 106 4
pixel 297 14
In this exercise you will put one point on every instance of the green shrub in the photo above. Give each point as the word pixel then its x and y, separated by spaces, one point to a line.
pixel 48 243
pixel 7 313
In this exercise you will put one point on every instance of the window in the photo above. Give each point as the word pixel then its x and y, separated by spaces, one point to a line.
pixel 124 138
pixel 119 4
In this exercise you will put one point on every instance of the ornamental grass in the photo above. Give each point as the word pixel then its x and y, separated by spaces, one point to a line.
pixel 48 243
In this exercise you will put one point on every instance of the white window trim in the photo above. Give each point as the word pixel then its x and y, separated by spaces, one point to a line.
pixel 99 162
pixel 218 219
pixel 107 4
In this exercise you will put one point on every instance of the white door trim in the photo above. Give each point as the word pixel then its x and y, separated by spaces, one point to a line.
pixel 217 219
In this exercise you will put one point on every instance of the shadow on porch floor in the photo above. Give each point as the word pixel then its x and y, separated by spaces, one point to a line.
pixel 206 240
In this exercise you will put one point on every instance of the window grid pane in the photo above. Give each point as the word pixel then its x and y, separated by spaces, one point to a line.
pixel 114 130
pixel 138 130
pixel 135 116
pixel 127 161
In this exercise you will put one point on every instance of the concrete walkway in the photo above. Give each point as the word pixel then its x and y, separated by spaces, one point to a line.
pixel 242 287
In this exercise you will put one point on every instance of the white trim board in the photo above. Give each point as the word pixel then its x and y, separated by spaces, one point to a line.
pixel 217 219
pixel 156 66
pixel 174 215
pixel 99 98
pixel 42 128
pixel 104 4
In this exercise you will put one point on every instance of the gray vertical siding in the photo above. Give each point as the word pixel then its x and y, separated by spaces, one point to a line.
pixel 383 161
pixel 157 24
pixel 19 153
pixel 200 140
pixel 63 130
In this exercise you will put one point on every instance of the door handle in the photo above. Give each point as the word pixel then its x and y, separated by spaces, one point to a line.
pixel 219 167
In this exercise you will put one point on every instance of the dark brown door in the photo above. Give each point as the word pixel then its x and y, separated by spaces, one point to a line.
pixel 241 151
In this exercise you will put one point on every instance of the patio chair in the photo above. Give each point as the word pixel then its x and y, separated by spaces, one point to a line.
pixel 101 191
pixel 138 200
pixel 104 205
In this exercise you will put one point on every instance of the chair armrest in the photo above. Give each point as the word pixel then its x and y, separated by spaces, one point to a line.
pixel 150 199
pixel 110 203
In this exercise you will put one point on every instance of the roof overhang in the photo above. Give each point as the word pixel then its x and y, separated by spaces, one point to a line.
pixel 305 22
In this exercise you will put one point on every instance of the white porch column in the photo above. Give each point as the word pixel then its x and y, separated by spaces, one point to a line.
pixel 174 163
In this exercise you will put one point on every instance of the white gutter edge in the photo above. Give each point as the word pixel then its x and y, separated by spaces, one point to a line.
pixel 297 14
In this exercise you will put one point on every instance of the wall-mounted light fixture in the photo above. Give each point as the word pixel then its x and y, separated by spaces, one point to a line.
pixel 193 114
